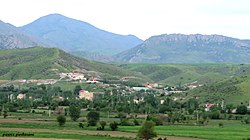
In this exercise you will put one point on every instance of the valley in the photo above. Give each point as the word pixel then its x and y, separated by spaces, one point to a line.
pixel 64 78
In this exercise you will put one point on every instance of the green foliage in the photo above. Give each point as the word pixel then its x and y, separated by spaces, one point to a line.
pixel 93 117
pixel 157 119
pixel 113 126
pixel 103 124
pixel 147 131
pixel 81 125
pixel 77 89
pixel 61 120
pixel 5 114
pixel 241 109
pixel 246 120
pixel 74 112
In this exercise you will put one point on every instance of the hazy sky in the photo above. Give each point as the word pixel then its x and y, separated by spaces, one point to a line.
pixel 143 18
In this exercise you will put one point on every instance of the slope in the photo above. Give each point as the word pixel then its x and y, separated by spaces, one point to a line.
pixel 233 91
pixel 78 37
pixel 12 37
pixel 196 48
pixel 174 74
pixel 43 63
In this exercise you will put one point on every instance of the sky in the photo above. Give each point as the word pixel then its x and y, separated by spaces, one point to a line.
pixel 143 18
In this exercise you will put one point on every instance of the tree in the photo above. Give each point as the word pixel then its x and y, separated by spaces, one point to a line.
pixel 103 124
pixel 61 120
pixel 241 110
pixel 77 89
pixel 113 126
pixel 93 117
pixel 74 112
pixel 5 114
pixel 147 130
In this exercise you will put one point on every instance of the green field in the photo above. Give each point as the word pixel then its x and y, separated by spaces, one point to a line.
pixel 230 130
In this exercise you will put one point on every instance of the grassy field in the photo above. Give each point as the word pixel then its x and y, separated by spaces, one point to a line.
pixel 231 130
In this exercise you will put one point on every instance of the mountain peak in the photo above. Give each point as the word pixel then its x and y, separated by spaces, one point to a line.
pixel 79 37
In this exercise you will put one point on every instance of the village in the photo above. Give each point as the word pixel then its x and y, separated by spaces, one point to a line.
pixel 157 90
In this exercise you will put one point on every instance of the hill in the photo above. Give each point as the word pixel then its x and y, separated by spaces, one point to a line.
pixel 43 63
pixel 196 48
pixel 233 91
pixel 174 74
pixel 11 37
pixel 228 82
pixel 78 37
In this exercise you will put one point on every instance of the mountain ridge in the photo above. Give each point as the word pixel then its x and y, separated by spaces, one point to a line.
pixel 194 48
pixel 11 37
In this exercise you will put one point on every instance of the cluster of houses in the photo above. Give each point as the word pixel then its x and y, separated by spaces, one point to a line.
pixel 73 76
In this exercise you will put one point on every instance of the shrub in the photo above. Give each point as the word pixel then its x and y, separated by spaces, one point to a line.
pixel 221 124
pixel 147 130
pixel 246 120
pixel 125 122
pixel 61 120
pixel 93 117
pixel 113 126
pixel 5 114
pixel 136 122
pixel 157 119
pixel 103 124
pixel 81 125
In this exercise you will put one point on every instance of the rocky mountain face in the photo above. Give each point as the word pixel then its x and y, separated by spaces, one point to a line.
pixel 78 37
pixel 195 48
pixel 11 37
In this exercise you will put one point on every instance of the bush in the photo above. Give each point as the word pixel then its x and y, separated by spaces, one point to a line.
pixel 147 130
pixel 5 114
pixel 125 122
pixel 61 120
pixel 113 126
pixel 157 119
pixel 221 124
pixel 246 120
pixel 136 122
pixel 103 124
pixel 241 110
pixel 93 117
pixel 81 125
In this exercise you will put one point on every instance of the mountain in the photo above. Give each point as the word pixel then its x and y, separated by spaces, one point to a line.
pixel 11 37
pixel 43 63
pixel 195 48
pixel 78 37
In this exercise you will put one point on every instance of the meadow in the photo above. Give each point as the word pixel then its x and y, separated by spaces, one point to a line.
pixel 47 127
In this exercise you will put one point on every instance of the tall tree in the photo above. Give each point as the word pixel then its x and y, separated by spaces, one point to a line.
pixel 74 112
pixel 77 89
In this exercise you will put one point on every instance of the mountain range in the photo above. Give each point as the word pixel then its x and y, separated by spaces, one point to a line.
pixel 87 41
pixel 194 48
